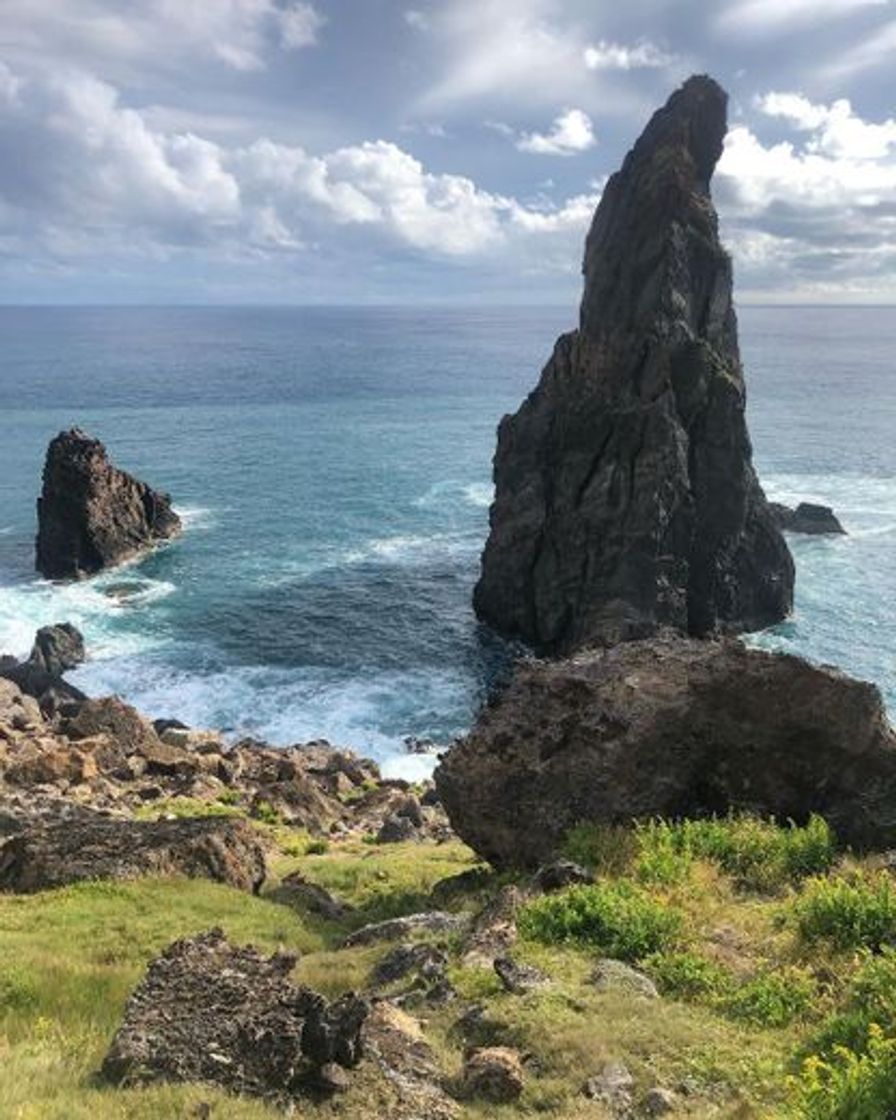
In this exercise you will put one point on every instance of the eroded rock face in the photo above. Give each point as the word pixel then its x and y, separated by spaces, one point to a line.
pixel 94 847
pixel 92 515
pixel 211 1011
pixel 625 496
pixel 670 727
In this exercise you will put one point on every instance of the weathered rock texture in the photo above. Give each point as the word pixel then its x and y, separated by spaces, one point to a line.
pixel 673 727
pixel 224 849
pixel 210 1011
pixel 808 518
pixel 625 496
pixel 92 515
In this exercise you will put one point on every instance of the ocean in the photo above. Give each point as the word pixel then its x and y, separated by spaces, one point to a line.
pixel 332 468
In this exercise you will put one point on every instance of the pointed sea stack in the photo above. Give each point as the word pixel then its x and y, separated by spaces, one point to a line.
pixel 625 495
pixel 91 515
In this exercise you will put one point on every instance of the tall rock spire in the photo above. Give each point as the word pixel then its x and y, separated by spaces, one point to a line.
pixel 625 495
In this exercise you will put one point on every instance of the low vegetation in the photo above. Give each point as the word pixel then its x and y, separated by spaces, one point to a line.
pixel 770 950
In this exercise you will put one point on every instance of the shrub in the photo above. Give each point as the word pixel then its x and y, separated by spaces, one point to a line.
pixel 265 812
pixel 760 854
pixel 661 858
pixel 317 847
pixel 615 917
pixel 687 975
pixel 773 999
pixel 849 1085
pixel 858 912
pixel 870 1000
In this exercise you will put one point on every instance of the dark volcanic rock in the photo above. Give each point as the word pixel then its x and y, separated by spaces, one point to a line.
pixel 225 849
pixel 210 1011
pixel 625 496
pixel 807 518
pixel 57 648
pixel 670 727
pixel 92 515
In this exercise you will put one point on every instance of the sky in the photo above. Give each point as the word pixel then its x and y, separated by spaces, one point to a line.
pixel 436 151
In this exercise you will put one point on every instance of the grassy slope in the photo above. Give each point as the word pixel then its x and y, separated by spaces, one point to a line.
pixel 69 958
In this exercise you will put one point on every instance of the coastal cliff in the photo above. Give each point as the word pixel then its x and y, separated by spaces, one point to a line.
pixel 90 514
pixel 625 495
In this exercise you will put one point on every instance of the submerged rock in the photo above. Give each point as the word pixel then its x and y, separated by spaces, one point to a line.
pixel 625 495
pixel 90 514
pixel 808 518
pixel 670 727
pixel 211 1011
pixel 227 850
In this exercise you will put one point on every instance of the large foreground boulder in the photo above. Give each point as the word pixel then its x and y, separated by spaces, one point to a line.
pixel 90 514
pixel 673 727
pixel 211 1011
pixel 227 850
pixel 625 494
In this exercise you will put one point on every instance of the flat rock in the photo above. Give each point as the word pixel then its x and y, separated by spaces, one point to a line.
pixel 90 514
pixel 428 921
pixel 213 1012
pixel 93 847
pixel 616 976
pixel 670 727
pixel 625 494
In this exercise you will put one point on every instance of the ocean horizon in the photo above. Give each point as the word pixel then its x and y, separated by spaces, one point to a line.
pixel 332 466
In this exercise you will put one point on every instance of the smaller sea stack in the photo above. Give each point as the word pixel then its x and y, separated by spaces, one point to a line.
pixel 90 514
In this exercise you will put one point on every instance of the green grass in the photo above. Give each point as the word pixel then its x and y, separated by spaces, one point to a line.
pixel 618 918
pixel 768 1010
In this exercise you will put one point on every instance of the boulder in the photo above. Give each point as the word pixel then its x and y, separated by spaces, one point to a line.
pixel 90 514
pixel 670 727
pixel 625 494
pixel 50 690
pixel 518 978
pixel 610 975
pixel 57 648
pixel 808 518
pixel 492 1074
pixel 427 921
pixel 225 849
pixel 214 1012
pixel 114 718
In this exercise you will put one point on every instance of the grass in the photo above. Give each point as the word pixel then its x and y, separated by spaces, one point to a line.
pixel 776 977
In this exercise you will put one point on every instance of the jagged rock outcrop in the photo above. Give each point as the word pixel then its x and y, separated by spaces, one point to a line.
pixel 90 514
pixel 58 648
pixel 815 520
pixel 625 496
pixel 211 1011
pixel 673 727
pixel 225 849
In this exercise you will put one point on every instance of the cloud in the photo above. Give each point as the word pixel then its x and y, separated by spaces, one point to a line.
pixel 872 52
pixel 614 56
pixel 817 210
pixel 571 132
pixel 158 34
pixel 837 131
pixel 769 16
pixel 95 178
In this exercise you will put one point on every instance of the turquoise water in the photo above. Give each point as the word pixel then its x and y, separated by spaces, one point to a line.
pixel 332 467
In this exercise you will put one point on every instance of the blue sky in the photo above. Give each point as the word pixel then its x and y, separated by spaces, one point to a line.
pixel 363 151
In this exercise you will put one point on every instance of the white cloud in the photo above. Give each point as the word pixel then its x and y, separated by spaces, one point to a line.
pixel 159 34
pixel 614 56
pixel 97 178
pixel 876 50
pixel 299 26
pixel 769 16
pixel 815 212
pixel 571 132
pixel 837 130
